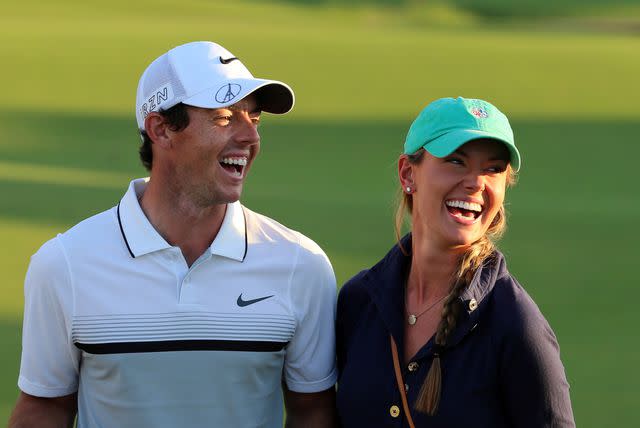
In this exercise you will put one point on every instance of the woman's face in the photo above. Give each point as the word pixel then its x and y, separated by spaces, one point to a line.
pixel 456 198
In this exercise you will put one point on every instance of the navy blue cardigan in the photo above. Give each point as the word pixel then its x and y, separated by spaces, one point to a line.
pixel 501 366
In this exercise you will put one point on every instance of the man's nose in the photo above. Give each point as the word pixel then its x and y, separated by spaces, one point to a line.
pixel 247 131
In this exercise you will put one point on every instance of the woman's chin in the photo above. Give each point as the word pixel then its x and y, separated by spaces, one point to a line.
pixel 462 239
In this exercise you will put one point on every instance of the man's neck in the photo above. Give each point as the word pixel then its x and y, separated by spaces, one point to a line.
pixel 181 222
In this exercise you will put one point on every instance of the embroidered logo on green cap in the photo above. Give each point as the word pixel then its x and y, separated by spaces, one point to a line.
pixel 479 112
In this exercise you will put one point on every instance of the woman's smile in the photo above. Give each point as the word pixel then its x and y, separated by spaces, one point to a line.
pixel 464 212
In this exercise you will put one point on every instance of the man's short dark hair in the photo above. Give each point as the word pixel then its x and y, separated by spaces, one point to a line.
pixel 177 117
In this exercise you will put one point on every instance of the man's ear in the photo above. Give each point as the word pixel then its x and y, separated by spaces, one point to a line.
pixel 157 129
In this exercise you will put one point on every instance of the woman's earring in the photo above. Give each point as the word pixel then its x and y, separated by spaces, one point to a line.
pixel 408 189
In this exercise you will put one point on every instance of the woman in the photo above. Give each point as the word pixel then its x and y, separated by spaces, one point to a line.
pixel 473 349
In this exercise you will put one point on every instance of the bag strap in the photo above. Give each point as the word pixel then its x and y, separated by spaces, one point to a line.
pixel 403 394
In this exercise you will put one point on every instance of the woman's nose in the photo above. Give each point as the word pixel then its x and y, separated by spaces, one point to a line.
pixel 474 182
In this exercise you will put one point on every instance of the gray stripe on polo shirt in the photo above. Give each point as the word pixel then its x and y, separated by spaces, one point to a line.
pixel 182 326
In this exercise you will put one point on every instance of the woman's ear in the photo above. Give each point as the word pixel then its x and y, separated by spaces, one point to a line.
pixel 405 174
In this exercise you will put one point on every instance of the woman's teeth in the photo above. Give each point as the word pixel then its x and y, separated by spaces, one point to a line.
pixel 469 206
pixel 464 210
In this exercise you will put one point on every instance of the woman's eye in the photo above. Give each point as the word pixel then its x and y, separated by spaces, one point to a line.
pixel 497 169
pixel 455 161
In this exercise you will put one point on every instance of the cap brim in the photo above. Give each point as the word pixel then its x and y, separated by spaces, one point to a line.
pixel 448 143
pixel 272 96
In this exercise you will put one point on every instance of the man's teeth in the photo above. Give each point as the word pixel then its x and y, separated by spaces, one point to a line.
pixel 470 206
pixel 235 161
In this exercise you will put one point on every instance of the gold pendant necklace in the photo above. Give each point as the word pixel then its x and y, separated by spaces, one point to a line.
pixel 413 318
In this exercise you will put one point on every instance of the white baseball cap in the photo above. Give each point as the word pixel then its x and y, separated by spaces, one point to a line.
pixel 204 74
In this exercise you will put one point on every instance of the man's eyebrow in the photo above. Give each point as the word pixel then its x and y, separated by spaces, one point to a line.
pixel 215 110
pixel 233 107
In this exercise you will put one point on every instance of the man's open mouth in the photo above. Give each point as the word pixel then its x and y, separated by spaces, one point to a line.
pixel 464 210
pixel 234 165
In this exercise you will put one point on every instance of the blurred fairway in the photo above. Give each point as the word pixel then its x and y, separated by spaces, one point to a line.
pixel 68 145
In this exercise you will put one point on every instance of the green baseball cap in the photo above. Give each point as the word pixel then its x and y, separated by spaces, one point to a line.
pixel 448 123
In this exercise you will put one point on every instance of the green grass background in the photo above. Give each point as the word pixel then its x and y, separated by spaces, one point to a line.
pixel 565 72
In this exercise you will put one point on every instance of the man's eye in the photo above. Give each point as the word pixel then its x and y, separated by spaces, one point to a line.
pixel 222 120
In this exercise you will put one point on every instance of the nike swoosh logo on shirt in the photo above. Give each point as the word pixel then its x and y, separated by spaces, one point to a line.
pixel 243 303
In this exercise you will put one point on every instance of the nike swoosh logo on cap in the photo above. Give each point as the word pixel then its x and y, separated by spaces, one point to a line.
pixel 243 303
pixel 228 60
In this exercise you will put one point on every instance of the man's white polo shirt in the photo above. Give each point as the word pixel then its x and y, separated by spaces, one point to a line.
pixel 113 311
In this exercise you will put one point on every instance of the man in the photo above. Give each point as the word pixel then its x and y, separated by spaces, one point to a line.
pixel 179 307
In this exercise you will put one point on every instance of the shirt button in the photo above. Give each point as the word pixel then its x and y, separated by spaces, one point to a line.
pixel 413 366
pixel 394 411
pixel 473 304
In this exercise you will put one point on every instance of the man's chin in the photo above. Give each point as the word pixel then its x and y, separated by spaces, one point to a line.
pixel 230 198
pixel 213 199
